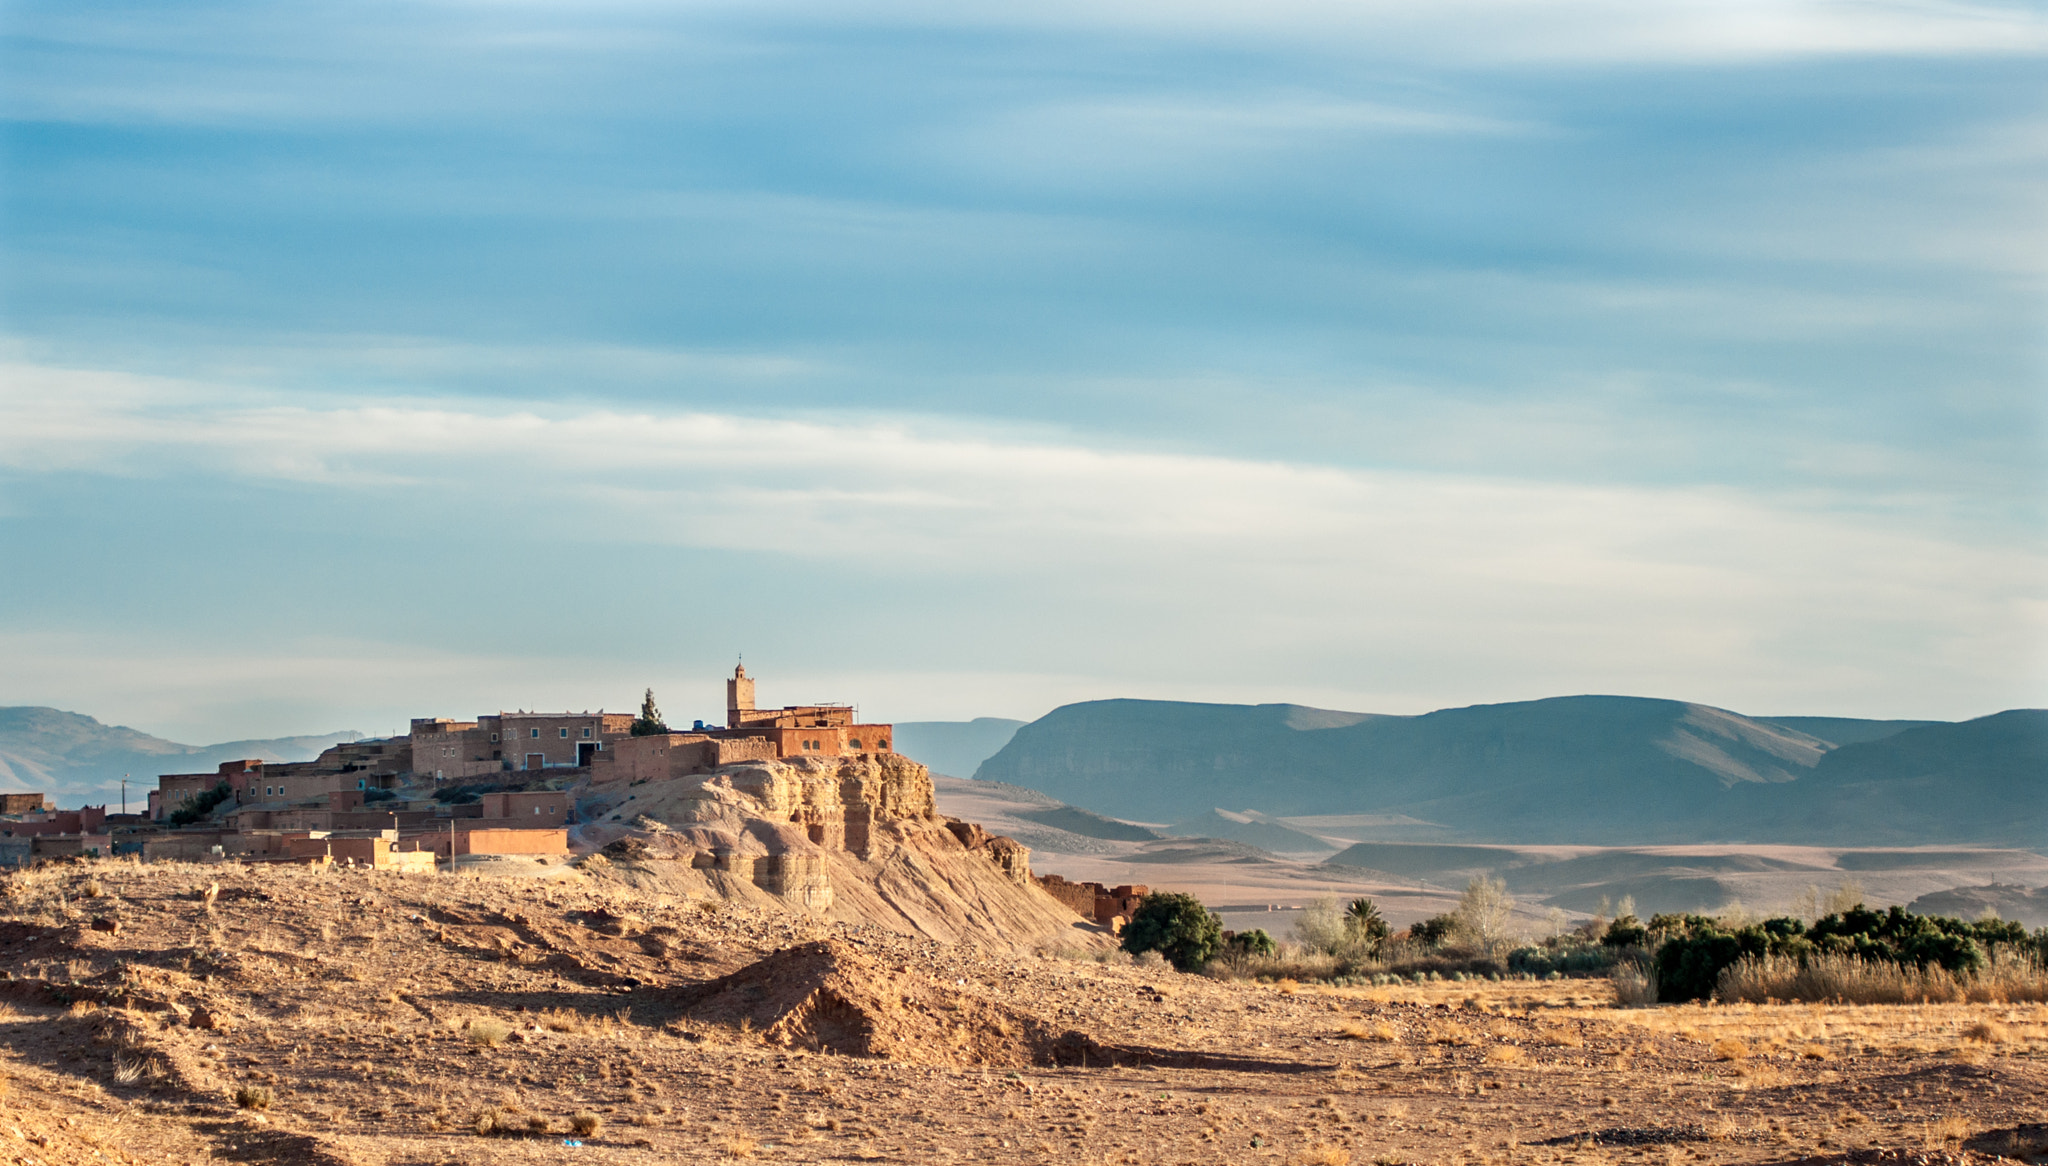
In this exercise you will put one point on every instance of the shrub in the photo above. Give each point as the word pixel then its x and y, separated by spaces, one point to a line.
pixel 200 805
pixel 1176 926
pixel 1627 931
pixel 1688 967
pixel 253 1097
pixel 1434 931
pixel 488 1032
pixel 1250 943
pixel 585 1123
pixel 1561 957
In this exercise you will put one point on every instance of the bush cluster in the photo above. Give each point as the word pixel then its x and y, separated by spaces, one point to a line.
pixel 1694 949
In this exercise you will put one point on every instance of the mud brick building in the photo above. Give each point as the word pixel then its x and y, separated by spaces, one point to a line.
pixel 750 734
pixel 1110 907
pixel 814 730
pixel 446 749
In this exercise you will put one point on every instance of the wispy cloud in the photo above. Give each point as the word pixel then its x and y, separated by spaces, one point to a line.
pixel 1634 584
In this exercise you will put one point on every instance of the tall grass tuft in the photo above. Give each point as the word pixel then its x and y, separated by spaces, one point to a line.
pixel 1634 987
pixel 2009 978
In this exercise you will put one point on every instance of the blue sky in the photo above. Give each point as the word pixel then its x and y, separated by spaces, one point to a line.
pixel 367 361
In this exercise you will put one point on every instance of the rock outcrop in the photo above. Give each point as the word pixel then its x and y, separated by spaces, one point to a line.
pixel 847 839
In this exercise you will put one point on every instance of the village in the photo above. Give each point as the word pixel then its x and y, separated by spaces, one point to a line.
pixel 496 794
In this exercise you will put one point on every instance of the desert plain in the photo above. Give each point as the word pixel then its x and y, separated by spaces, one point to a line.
pixel 183 1013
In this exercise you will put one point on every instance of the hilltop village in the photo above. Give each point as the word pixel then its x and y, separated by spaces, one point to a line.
pixel 504 793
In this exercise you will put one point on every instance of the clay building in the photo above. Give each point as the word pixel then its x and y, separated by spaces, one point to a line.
pixel 450 750
pixel 24 803
pixel 814 730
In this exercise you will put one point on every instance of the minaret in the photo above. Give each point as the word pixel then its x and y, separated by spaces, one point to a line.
pixel 739 696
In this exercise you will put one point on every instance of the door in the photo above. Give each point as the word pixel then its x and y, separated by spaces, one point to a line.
pixel 536 761
pixel 585 752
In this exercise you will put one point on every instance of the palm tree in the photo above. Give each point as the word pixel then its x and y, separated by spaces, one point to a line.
pixel 1362 918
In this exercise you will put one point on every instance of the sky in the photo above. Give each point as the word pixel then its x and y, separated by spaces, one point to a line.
pixel 368 361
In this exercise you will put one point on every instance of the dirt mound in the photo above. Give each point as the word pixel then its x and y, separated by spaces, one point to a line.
pixel 829 996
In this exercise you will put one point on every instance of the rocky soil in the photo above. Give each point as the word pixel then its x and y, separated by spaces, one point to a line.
pixel 185 1014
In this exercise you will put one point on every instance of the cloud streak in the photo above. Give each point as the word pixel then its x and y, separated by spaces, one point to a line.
pixel 1631 583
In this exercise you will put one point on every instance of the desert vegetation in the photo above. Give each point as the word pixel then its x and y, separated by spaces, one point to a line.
pixel 1846 952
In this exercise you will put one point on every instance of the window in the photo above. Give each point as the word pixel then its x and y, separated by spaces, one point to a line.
pixel 551 811
pixel 855 742
pixel 563 732
pixel 494 738
pixel 536 811
pixel 535 732
pixel 586 730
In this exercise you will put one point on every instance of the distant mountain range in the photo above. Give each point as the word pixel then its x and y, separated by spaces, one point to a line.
pixel 954 748
pixel 76 759
pixel 1583 769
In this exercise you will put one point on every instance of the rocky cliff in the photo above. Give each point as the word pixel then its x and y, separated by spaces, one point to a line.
pixel 849 840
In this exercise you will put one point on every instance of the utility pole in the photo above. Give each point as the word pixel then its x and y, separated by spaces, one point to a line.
pixel 124 795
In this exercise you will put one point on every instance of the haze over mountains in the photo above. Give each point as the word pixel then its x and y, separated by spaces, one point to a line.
pixel 1583 769
pixel 75 758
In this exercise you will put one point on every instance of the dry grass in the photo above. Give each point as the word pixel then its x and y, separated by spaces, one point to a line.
pixel 1945 1129
pixel 1358 1030
pixel 564 1020
pixel 2009 978
pixel 1325 1154
pixel 738 1145
pixel 1730 1048
pixel 585 1123
pixel 1504 1054
pixel 485 1033
pixel 1633 987
pixel 1989 1032
pixel 1821 1032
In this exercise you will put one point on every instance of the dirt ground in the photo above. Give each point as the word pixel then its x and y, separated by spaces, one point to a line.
pixel 184 1014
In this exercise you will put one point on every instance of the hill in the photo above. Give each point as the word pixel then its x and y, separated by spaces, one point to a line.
pixel 75 758
pixel 1583 769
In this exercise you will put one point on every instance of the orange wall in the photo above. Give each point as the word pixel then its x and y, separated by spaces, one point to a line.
pixel 512 842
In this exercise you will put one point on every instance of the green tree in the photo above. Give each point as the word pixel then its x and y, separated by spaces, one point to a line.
pixel 1176 926
pixel 649 722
